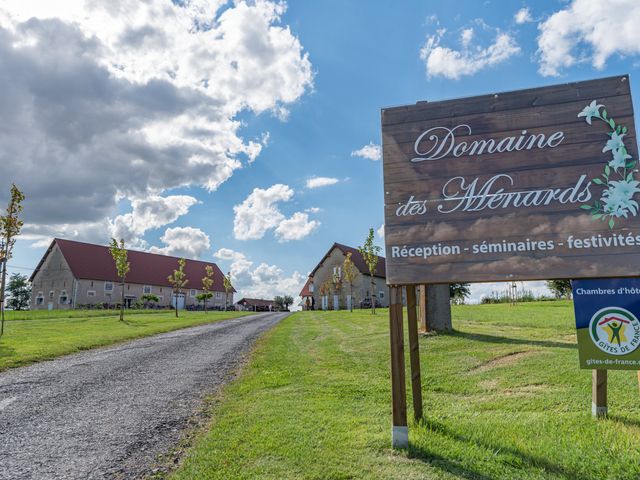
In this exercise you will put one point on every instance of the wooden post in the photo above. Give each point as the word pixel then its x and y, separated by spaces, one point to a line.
pixel 399 432
pixel 423 309
pixel 599 393
pixel 414 352
pixel 638 379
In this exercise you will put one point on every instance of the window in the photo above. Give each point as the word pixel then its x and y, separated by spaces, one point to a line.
pixel 51 294
pixel 62 299
pixel 91 293
pixel 160 298
pixel 146 289
pixel 193 292
pixel 160 289
pixel 40 298
pixel 108 286
pixel 381 294
pixel 128 287
pixel 218 294
pixel 92 283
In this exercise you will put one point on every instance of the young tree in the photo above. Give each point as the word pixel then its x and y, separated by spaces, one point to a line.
pixel 228 288
pixel 458 292
pixel 560 288
pixel 349 273
pixel 178 280
pixel 325 289
pixel 207 283
pixel 370 252
pixel 19 292
pixel 119 254
pixel 10 225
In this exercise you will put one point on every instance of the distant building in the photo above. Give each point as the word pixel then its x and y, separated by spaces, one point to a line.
pixel 326 288
pixel 256 305
pixel 75 274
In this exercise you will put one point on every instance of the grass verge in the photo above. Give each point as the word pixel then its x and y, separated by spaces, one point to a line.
pixel 503 397
pixel 41 338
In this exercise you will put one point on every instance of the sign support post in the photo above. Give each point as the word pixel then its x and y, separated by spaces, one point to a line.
pixel 400 432
pixel 599 393
pixel 414 352
pixel 423 308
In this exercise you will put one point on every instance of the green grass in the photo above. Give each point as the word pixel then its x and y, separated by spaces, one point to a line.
pixel 71 313
pixel 44 335
pixel 314 403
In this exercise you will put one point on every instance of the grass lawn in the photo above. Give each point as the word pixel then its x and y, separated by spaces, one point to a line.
pixel 44 335
pixel 503 396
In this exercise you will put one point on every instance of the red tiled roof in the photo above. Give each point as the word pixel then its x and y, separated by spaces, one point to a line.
pixel 306 291
pixel 255 302
pixel 94 262
pixel 357 259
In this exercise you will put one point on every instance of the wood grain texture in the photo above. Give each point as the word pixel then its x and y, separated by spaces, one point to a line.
pixel 456 188
pixel 398 380
pixel 414 352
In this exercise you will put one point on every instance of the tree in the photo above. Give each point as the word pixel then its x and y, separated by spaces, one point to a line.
pixel 203 297
pixel 560 288
pixel 370 252
pixel 228 288
pixel 119 254
pixel 178 280
pixel 10 225
pixel 19 292
pixel 458 292
pixel 150 298
pixel 207 283
pixel 287 300
pixel 349 273
pixel 279 302
pixel 325 288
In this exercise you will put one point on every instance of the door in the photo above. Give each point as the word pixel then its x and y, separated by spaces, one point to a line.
pixel 336 302
pixel 50 306
pixel 180 299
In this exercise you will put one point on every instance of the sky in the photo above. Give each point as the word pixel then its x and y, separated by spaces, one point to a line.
pixel 248 132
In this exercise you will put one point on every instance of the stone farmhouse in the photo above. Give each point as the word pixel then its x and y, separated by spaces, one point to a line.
pixel 72 274
pixel 326 288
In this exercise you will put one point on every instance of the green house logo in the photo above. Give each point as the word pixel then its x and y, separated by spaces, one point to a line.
pixel 615 330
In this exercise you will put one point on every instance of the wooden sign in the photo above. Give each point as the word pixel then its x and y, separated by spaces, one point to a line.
pixel 526 185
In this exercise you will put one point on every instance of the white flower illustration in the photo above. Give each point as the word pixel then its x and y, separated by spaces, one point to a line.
pixel 620 157
pixel 618 198
pixel 590 111
pixel 618 178
pixel 615 143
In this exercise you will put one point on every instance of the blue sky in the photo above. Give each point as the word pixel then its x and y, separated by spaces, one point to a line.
pixel 336 63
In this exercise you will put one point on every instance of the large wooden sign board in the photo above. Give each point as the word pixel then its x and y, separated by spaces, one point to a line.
pixel 533 184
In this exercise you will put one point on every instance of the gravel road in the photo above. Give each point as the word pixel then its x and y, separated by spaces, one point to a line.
pixel 109 412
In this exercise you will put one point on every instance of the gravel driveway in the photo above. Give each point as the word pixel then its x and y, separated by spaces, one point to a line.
pixel 109 412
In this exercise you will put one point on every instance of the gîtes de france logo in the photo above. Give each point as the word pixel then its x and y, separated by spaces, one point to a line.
pixel 618 178
pixel 615 330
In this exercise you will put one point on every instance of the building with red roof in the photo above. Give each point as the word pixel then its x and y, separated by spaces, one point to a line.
pixel 327 287
pixel 72 274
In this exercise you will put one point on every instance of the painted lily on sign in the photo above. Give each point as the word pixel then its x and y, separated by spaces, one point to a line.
pixel 590 111
pixel 617 200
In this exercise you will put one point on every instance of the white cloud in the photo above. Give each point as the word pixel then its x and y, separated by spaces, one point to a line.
pixel 135 98
pixel 371 152
pixel 150 213
pixel 317 182
pixel 453 64
pixel 466 36
pixel 588 30
pixel 523 16
pixel 380 231
pixel 187 242
pixel 264 281
pixel 295 228
pixel 259 213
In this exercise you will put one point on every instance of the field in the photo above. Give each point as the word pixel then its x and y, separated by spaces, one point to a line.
pixel 41 335
pixel 503 396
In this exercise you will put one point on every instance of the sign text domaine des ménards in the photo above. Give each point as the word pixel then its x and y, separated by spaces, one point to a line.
pixel 534 184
